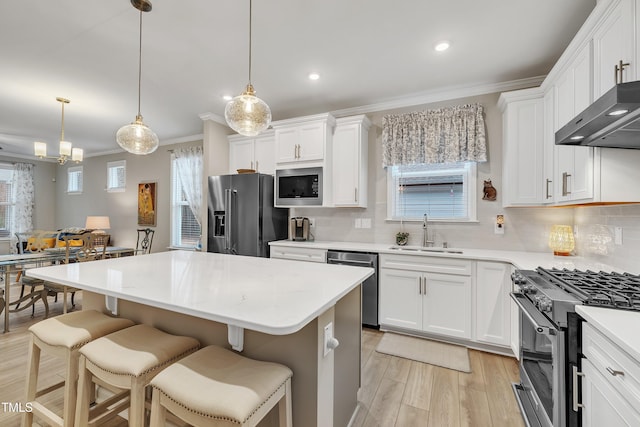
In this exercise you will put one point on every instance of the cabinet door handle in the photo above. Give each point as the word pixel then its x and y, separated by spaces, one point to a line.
pixel 547 189
pixel 256 166
pixel 575 376
pixel 419 285
pixel 251 165
pixel 618 69
pixel 424 292
pixel 355 195
pixel 565 185
pixel 614 372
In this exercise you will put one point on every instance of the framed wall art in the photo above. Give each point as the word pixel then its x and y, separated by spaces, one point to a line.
pixel 147 204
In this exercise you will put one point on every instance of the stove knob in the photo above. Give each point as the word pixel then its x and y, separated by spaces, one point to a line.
pixel 543 303
pixel 518 279
pixel 528 289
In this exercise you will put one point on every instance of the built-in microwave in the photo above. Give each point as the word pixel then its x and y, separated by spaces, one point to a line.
pixel 298 187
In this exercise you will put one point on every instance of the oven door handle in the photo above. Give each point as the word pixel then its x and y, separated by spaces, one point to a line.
pixel 541 323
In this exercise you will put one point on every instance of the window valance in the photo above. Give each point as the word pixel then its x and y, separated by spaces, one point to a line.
pixel 445 135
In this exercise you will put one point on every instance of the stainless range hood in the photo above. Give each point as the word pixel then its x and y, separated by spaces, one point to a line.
pixel 611 121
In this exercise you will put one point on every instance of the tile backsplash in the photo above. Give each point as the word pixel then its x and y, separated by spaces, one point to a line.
pixel 595 228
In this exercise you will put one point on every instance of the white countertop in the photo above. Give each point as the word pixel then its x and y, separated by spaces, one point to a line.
pixel 273 296
pixel 620 326
pixel 520 259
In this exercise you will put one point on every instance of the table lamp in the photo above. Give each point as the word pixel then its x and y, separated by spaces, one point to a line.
pixel 97 224
pixel 561 240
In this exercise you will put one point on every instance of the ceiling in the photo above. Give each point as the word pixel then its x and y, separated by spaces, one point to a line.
pixel 367 52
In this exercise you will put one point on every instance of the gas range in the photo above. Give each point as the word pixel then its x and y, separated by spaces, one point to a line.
pixel 555 292
pixel 550 336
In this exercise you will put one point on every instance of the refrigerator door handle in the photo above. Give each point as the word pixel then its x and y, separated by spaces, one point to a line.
pixel 227 219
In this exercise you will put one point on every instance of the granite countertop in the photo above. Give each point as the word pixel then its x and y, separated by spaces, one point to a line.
pixel 272 296
pixel 520 259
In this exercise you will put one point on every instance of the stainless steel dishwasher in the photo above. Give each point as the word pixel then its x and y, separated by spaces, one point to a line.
pixel 369 287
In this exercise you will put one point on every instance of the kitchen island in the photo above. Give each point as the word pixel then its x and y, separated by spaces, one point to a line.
pixel 275 310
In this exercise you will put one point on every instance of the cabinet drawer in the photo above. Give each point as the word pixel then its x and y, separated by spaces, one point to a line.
pixel 426 263
pixel 299 254
pixel 622 371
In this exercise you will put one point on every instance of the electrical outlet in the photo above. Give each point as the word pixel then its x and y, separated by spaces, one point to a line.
pixel 312 222
pixel 499 225
pixel 366 222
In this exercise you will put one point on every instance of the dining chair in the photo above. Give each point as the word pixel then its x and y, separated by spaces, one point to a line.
pixel 78 248
pixel 145 239
pixel 34 242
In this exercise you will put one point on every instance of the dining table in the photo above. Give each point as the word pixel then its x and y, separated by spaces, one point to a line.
pixel 11 264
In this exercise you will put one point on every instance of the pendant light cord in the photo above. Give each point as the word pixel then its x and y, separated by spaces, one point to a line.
pixel 250 8
pixel 140 62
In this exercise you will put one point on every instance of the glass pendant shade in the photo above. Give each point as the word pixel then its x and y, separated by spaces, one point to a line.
pixel 137 138
pixel 247 114
pixel 561 240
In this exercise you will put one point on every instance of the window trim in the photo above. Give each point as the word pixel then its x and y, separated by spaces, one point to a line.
pixel 116 164
pixel 174 207
pixel 471 180
pixel 71 170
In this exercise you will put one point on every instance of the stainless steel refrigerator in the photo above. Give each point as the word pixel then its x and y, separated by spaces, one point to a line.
pixel 242 219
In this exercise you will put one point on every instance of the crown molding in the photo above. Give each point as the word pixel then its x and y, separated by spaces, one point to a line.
pixel 443 94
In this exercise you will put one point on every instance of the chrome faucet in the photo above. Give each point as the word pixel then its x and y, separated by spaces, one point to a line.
pixel 425 233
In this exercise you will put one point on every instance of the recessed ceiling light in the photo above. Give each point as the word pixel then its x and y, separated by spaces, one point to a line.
pixel 227 97
pixel 442 46
pixel 314 76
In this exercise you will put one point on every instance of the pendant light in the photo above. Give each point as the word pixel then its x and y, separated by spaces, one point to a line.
pixel 66 149
pixel 246 113
pixel 136 137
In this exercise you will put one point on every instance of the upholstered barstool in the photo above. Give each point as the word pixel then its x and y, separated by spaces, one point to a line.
pixel 126 361
pixel 63 336
pixel 216 387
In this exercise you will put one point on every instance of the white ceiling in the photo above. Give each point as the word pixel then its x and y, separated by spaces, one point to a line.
pixel 367 52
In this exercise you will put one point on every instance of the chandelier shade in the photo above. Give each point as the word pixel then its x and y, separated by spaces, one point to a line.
pixel 246 113
pixel 136 137
pixel 66 150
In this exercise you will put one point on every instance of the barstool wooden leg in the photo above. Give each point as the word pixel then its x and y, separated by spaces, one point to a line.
pixel 32 381
pixel 84 392
pixel 284 407
pixel 70 391
pixel 136 410
pixel 158 412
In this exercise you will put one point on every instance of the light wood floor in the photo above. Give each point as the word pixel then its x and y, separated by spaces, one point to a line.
pixel 404 393
pixel 395 391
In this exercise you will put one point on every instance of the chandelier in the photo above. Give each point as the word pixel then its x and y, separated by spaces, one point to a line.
pixel 66 151
pixel 246 113
pixel 136 137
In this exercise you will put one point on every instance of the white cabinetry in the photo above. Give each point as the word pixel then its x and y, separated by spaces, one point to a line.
pixel 304 141
pixel 549 138
pixel 252 153
pixel 299 254
pixel 523 162
pixel 574 165
pixel 350 160
pixel 493 304
pixel 610 382
pixel 426 294
pixel 614 41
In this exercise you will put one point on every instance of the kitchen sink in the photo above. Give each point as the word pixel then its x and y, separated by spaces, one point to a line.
pixel 425 249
